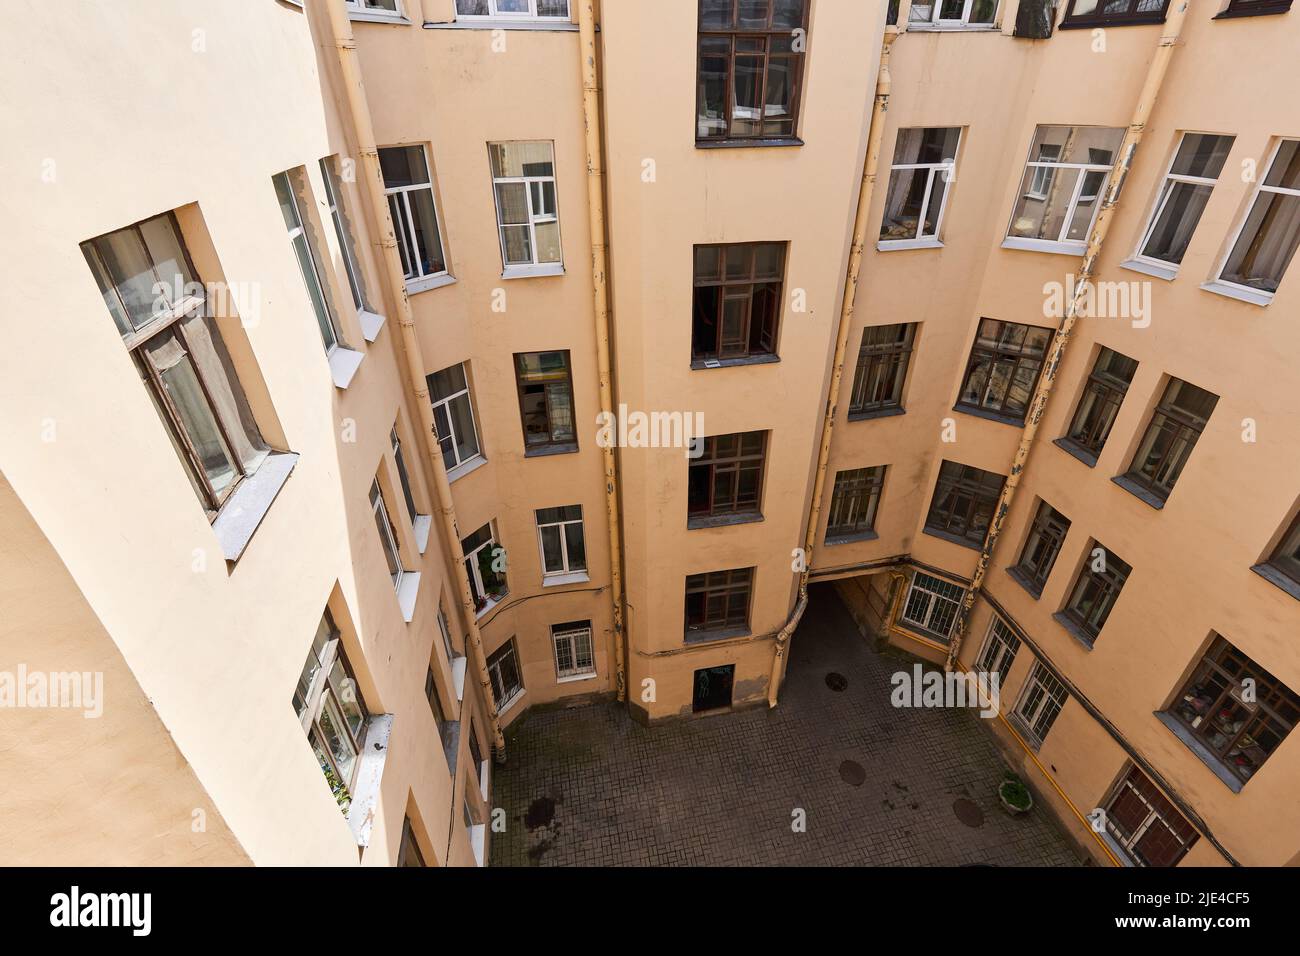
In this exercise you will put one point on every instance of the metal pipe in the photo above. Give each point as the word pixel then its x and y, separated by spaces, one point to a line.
pixel 1043 392
pixel 340 38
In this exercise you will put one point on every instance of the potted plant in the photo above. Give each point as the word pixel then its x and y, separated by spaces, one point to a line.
pixel 1014 795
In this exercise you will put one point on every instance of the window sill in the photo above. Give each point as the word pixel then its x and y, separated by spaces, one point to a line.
pixel 420 531
pixel 504 23
pixel 1158 270
pixel 465 467
pixel 722 521
pixel 989 416
pixel 1231 290
pixel 1275 577
pixel 831 541
pixel 953 28
pixel 343 365
pixel 954 539
pixel 408 588
pixel 921 632
pixel 1028 735
pixel 564 448
pixel 371 323
pixel 767 359
pixel 1238 14
pixel 487 608
pixel 365 795
pixel 720 634
pixel 889 245
pixel 1074 451
pixel 1176 727
pixel 1137 491
pixel 424 284
pixel 511 702
pixel 575 678
pixel 573 577
pixel 877 413
pixel 485 778
pixel 533 272
pixel 458 677
pixel 478 842
pixel 1074 630
pixel 1055 247
pixel 1023 580
pixel 369 16
pixel 249 503
pixel 722 143
pixel 1107 23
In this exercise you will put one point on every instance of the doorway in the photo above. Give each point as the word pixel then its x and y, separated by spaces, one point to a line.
pixel 713 688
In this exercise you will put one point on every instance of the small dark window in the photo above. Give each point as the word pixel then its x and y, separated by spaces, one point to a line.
pixel 882 369
pixel 1041 548
pixel 408 854
pixel 1254 8
pixel 1107 385
pixel 718 600
pixel 546 402
pixel 1286 559
pixel 1114 13
pixel 1175 427
pixel 962 507
pixel 737 301
pixel 727 479
pixel 1096 591
pixel 854 502
pixel 1003 369
pixel 1145 824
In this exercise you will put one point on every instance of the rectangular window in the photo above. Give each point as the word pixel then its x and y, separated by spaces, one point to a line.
pixel 573 653
pixel 999 651
pixel 1041 548
pixel 453 416
pixel 1107 385
pixel 750 69
pixel 546 401
pixel 1175 427
pixel 560 532
pixel 408 853
pixel 1114 13
pixel 1183 196
pixel 881 372
pixel 409 189
pixel 925 163
pixel 503 670
pixel 1286 558
pixel 334 196
pixel 1148 828
pixel 1003 368
pixel 289 186
pixel 387 537
pixel 1250 8
pixel 514 9
pixel 736 307
pixel 932 605
pixel 1270 233
pixel 157 302
pixel 1064 178
pixel 854 502
pixel 332 711
pixel 963 503
pixel 953 13
pixel 718 601
pixel 1237 710
pixel 373 6
pixel 445 631
pixel 528 219
pixel 1095 592
pixel 727 478
pixel 485 565
pixel 1040 702
pixel 402 474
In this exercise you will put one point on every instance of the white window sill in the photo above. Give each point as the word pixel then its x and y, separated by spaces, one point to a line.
pixel 1147 267
pixel 1045 245
pixel 487 608
pixel 371 323
pixel 425 283
pixel 573 577
pixel 533 272
pixel 953 28
pixel 458 676
pixel 477 838
pixel 1238 292
pixel 249 503
pixel 377 16
pixel 485 778
pixel 574 678
pixel 420 531
pixel 365 795
pixel 887 245
pixel 408 588
pixel 343 365
pixel 509 705
pixel 465 467
pixel 505 23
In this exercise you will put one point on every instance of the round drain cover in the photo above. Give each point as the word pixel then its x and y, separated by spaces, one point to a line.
pixel 836 682
pixel 852 773
pixel 540 813
pixel 968 812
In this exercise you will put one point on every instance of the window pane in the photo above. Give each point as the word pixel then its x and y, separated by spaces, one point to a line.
pixel 336 740
pixel 168 255
pixel 462 419
pixel 1285 171
pixel 1201 155
pixel 577 546
pixel 424 220
pixel 1267 242
pixel 717 14
pixel 127 262
pixel 1180 211
pixel 552 553
pixel 745 106
pixel 403 166
pixel 513 160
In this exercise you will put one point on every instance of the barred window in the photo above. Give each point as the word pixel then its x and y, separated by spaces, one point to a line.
pixel 932 605
pixel 999 650
pixel 1040 702
pixel 573 651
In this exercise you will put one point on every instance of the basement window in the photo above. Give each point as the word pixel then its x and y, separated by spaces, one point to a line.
pixel 574 658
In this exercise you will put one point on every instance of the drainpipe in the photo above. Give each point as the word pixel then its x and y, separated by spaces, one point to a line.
pixel 874 136
pixel 600 298
pixel 332 13
pixel 1043 392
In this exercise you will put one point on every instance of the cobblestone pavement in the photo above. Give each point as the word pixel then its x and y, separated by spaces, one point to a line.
pixel 588 786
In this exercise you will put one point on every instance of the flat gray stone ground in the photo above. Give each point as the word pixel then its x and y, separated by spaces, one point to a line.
pixel 590 787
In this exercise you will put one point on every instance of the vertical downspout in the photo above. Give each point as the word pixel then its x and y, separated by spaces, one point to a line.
pixel 591 107
pixel 872 161
pixel 1043 392
pixel 372 178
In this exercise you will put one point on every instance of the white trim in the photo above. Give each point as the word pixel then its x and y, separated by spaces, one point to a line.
pixel 465 467
pixel 1224 286
pixel 458 677
pixel 416 283
pixel 445 403
pixel 570 636
pixel 890 245
pixel 532 13
pixel 536 267
pixel 356 11
pixel 425 283
pixel 1055 247
pixel 477 836
pixel 344 363
pixel 371 323
pixel 1151 267
pixel 420 528
pixel 1239 292
pixel 408 588
pixel 566 571
pixel 1076 196
pixel 555 580
pixel 533 271
pixel 952 23
pixel 1162 200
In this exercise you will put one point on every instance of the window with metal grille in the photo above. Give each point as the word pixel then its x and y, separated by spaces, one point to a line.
pixel 727 478
pixel 503 671
pixel 881 371
pixel 963 503
pixel 854 502
pixel 1003 369
pixel 932 605
pixel 1040 702
pixel 1147 827
pixel 736 304
pixel 573 650
pixel 1175 428
pixel 718 600
pixel 1041 548
pixel 999 650
pixel 1098 407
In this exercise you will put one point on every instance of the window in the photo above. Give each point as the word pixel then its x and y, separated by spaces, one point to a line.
pixel 446 722
pixel 564 549
pixel 387 538
pixel 288 186
pixel 1041 548
pixel 1087 13
pixel 523 177
pixel 1270 232
pixel 750 69
pixel 332 711
pixel 1177 423
pixel 408 853
pixel 546 401
pixel 1236 710
pixel 1065 176
pixel 882 369
pixel 737 300
pixel 727 478
pixel 1003 368
pixel 453 416
pixel 1095 592
pixel 854 502
pixel 573 654
pixel 402 475
pixel 388 7
pixel 1183 196
pixel 1147 827
pixel 1040 702
pixel 963 503
pixel 953 13
pixel 718 601
pixel 485 565
pixel 343 229
pixel 514 9
pixel 415 215
pixel 999 651
pixel 1251 8
pixel 151 290
pixel 503 670
pixel 445 631
pixel 932 605
pixel 1107 385
pixel 924 164
pixel 1286 558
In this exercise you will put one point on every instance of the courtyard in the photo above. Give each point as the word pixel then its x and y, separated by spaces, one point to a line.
pixel 872 784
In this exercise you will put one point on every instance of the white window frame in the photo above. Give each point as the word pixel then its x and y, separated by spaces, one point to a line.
pixel 569 637
pixel 456 470
pixel 425 280
pixel 357 10
pixel 1259 296
pixel 948 171
pixel 959 23
pixel 293 180
pixel 471 566
pixel 566 571
pixel 931 606
pixel 999 651
pixel 347 244
pixel 534 219
pixel 388 537
pixel 494 675
pixel 1043 681
pixel 532 13
pixel 1162 200
pixel 1042 180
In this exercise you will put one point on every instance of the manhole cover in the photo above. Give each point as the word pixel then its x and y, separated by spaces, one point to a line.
pixel 540 813
pixel 836 682
pixel 968 812
pixel 852 773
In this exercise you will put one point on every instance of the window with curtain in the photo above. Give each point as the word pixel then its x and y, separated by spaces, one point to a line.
pixel 1183 195
pixel 925 163
pixel 1270 233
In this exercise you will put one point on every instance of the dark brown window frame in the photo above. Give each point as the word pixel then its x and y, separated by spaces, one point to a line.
pixel 1110 391
pixel 1182 423
pixel 1174 832
pixel 737 288
pixel 1133 17
pixel 1282 565
pixel 1108 585
pixel 864 484
pixel 408 851
pixel 882 363
pixel 974 483
pixel 1253 8
pixel 552 445
pixel 735 586
pixel 733 463
pixel 1048 529
pixel 999 355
